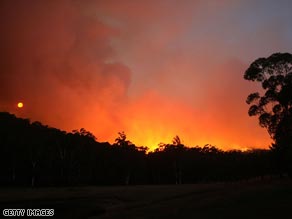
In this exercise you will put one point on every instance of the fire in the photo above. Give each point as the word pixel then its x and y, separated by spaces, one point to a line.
pixel 153 119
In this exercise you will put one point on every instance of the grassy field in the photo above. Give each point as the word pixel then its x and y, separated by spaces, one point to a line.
pixel 258 199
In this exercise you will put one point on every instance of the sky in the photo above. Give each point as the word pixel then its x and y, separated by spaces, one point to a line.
pixel 153 69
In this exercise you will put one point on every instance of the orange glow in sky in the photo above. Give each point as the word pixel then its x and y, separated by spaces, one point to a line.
pixel 153 69
pixel 154 119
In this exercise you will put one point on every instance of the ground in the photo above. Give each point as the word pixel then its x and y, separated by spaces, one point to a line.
pixel 253 199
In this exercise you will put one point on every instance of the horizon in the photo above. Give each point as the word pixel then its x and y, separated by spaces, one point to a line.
pixel 153 69
pixel 149 149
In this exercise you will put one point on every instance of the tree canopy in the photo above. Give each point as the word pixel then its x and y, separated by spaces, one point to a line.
pixel 33 154
pixel 275 75
pixel 273 105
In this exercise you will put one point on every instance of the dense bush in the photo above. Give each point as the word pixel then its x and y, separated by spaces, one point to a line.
pixel 32 154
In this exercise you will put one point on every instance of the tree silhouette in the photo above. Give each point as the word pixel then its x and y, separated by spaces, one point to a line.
pixel 126 151
pixel 274 106
pixel 174 153
pixel 33 154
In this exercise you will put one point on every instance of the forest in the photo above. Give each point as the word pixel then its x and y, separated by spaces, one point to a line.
pixel 33 154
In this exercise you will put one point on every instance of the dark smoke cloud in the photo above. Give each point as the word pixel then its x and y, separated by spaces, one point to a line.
pixel 57 58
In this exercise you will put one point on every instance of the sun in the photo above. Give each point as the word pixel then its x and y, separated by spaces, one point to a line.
pixel 20 105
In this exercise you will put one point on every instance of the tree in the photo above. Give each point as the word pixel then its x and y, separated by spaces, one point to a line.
pixel 125 151
pixel 274 105
pixel 174 152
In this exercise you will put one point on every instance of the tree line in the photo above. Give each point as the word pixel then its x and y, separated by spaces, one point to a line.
pixel 33 154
